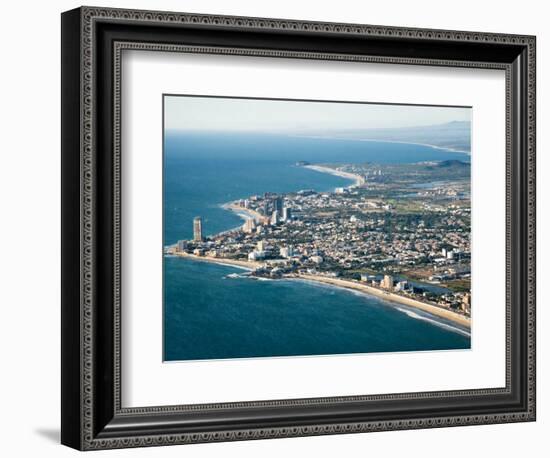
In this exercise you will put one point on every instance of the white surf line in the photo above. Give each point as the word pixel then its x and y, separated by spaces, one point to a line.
pixel 417 316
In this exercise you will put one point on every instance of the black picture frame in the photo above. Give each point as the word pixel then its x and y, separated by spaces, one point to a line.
pixel 92 40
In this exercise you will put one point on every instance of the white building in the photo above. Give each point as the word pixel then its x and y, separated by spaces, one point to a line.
pixel 249 226
pixel 287 252
pixel 255 255
pixel 401 286
pixel 197 229
pixel 387 283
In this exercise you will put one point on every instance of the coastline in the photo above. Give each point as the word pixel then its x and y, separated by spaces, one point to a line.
pixel 246 265
pixel 443 148
pixel 392 297
pixel 349 285
pixel 357 179
pixel 244 213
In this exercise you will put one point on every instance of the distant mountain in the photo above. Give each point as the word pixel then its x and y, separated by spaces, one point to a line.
pixel 450 166
pixel 447 170
pixel 454 135
pixel 451 163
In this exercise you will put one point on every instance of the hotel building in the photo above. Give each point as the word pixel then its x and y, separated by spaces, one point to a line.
pixel 197 229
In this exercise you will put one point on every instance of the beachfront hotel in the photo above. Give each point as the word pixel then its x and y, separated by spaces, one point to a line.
pixel 197 229
pixel 387 282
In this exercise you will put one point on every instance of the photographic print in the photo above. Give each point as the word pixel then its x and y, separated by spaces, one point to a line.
pixel 306 227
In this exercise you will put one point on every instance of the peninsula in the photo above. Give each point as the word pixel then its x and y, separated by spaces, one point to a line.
pixel 400 232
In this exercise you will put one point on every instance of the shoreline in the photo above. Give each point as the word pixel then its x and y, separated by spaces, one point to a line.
pixel 358 180
pixel 444 148
pixel 246 265
pixel 244 213
pixel 434 310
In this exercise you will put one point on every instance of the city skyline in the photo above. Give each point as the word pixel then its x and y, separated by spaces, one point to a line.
pixel 337 236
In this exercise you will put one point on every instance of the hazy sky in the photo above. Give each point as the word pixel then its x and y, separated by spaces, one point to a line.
pixel 209 113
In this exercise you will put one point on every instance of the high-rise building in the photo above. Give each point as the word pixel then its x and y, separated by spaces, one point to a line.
pixel 255 255
pixel 466 302
pixel 387 283
pixel 260 246
pixel 278 205
pixel 197 229
pixel 287 214
pixel 249 226
pixel 402 285
pixel 287 252
pixel 275 217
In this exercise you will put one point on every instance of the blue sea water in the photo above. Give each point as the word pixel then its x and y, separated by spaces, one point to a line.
pixel 210 316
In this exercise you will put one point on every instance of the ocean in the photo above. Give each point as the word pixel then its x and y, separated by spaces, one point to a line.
pixel 210 316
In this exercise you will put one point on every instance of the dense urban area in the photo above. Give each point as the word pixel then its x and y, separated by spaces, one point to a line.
pixel 400 229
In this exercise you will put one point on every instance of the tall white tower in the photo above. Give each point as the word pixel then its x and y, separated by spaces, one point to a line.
pixel 197 229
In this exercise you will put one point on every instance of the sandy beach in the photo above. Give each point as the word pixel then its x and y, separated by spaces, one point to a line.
pixel 358 179
pixel 245 213
pixel 392 297
pixel 248 265
pixel 348 284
